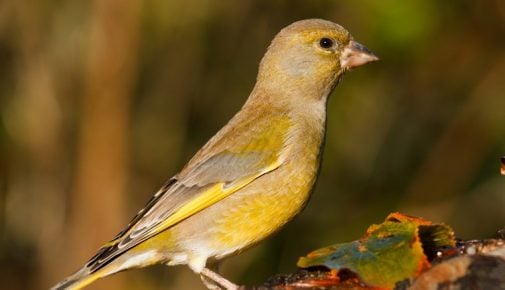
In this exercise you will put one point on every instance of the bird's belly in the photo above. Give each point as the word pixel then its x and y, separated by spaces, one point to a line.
pixel 249 215
pixel 253 220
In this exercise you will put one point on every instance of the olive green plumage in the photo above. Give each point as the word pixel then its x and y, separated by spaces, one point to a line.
pixel 254 175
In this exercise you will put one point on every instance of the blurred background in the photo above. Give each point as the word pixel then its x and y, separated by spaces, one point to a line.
pixel 102 101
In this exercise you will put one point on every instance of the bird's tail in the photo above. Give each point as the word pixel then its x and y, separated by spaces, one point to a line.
pixel 79 279
pixel 97 267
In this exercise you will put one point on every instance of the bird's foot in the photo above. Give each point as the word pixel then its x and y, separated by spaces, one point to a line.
pixel 214 281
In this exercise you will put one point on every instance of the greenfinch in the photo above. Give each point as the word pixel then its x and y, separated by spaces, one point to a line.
pixel 253 176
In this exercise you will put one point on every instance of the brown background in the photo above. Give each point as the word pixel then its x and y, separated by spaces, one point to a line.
pixel 102 101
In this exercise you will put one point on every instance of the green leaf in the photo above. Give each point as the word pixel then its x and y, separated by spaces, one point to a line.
pixel 388 253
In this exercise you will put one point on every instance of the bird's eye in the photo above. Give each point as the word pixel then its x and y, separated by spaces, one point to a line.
pixel 326 42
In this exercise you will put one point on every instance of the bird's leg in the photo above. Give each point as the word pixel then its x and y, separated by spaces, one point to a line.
pixel 214 281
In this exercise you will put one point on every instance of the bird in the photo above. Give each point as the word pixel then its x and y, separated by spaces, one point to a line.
pixel 253 176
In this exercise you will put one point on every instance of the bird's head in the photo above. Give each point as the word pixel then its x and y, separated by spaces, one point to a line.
pixel 309 56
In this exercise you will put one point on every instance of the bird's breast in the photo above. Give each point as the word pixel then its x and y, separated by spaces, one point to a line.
pixel 268 203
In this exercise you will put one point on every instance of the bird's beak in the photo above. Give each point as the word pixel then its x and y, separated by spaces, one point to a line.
pixel 356 54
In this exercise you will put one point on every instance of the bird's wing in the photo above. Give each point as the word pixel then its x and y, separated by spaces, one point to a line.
pixel 205 184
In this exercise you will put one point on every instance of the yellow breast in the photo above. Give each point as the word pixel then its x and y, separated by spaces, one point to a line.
pixel 265 206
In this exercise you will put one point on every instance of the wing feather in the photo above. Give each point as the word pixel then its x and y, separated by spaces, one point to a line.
pixel 201 186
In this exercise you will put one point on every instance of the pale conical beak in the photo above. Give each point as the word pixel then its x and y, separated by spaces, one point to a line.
pixel 356 54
